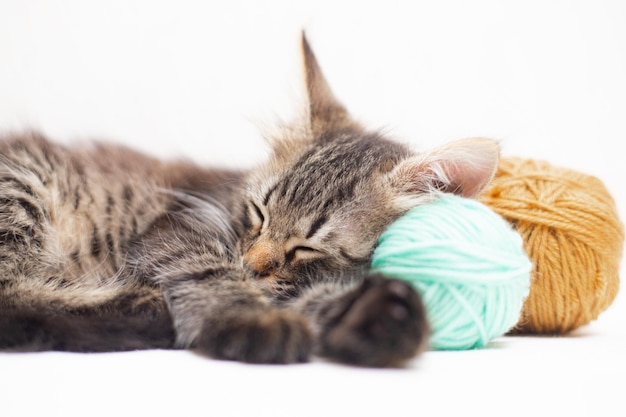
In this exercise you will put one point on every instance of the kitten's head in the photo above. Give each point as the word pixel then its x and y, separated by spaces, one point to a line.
pixel 331 187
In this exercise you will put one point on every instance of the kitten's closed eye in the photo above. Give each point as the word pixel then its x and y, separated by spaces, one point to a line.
pixel 302 253
pixel 256 216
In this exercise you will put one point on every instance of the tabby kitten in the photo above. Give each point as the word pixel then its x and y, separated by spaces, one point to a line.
pixel 106 249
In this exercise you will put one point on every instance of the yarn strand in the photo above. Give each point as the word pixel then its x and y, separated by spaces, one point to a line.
pixel 571 231
pixel 468 264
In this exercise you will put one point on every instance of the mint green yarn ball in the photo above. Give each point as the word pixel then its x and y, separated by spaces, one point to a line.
pixel 467 263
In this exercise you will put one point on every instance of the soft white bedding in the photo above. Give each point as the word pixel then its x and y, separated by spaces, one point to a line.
pixel 580 375
pixel 198 79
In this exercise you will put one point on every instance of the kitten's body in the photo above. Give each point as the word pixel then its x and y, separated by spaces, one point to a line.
pixel 103 248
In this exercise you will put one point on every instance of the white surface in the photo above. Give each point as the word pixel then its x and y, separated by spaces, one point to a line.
pixel 547 78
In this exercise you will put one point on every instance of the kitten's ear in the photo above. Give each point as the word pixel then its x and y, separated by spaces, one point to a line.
pixel 324 110
pixel 464 167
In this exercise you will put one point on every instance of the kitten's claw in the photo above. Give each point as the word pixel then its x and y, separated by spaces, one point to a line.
pixel 384 324
pixel 262 337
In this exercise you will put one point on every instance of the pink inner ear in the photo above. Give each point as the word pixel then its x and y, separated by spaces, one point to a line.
pixel 467 181
pixel 463 167
pixel 469 164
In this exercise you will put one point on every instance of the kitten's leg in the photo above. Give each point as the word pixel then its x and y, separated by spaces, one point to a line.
pixel 221 313
pixel 91 329
pixel 378 322
pixel 217 306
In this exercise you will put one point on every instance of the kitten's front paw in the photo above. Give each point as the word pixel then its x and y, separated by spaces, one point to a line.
pixel 383 324
pixel 273 336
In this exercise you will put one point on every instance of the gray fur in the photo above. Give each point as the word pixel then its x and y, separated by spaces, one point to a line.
pixel 103 248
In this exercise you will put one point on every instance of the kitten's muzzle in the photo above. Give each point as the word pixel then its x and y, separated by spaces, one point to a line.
pixel 264 258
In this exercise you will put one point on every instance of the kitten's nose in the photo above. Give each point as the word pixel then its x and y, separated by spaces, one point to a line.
pixel 263 257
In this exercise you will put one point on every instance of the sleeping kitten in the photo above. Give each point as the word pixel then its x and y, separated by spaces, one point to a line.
pixel 105 249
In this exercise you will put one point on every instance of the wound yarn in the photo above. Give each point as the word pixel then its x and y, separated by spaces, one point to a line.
pixel 467 263
pixel 571 232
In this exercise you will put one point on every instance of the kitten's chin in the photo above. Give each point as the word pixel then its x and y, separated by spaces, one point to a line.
pixel 279 290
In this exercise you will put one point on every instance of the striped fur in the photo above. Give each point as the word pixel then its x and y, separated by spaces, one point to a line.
pixel 103 248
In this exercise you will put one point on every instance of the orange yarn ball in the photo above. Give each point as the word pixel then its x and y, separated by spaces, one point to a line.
pixel 573 236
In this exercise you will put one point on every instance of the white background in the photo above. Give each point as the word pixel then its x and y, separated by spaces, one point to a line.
pixel 197 79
